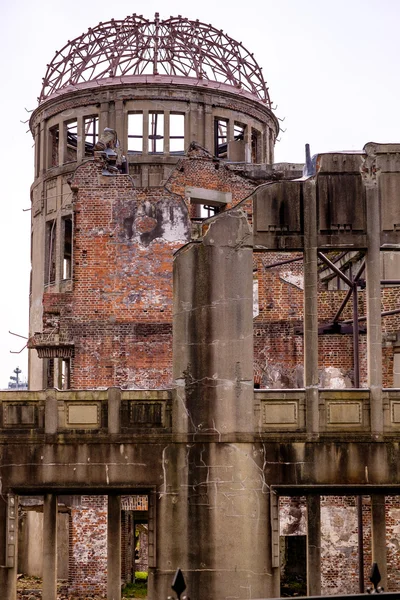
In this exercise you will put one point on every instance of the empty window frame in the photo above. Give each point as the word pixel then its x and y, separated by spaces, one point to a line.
pixel 65 372
pixel 135 133
pixel 54 140
pixel 50 254
pixel 238 132
pixel 91 133
pixel 176 133
pixel 221 138
pixel 202 211
pixel 72 141
pixel 67 248
pixel 156 133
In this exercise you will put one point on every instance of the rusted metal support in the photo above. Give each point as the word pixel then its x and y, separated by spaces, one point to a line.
pixel 349 293
pixel 386 313
pixel 283 262
pixel 334 268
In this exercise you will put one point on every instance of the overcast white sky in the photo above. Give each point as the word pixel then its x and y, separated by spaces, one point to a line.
pixel 332 69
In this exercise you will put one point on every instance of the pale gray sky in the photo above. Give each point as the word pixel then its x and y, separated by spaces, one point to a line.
pixel 332 69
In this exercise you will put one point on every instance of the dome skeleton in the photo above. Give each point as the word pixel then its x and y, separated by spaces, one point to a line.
pixel 135 46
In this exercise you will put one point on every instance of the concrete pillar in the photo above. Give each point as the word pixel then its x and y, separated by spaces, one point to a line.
pixel 114 548
pixel 378 535
pixel 119 124
pixel 313 546
pixel 213 487
pixel 62 143
pixel 51 413
pixel 103 117
pixel 213 326
pixel 374 323
pixel 50 507
pixel 145 135
pixel 166 132
pixel 43 148
pixel 114 410
pixel 311 307
pixel 111 114
pixel 230 136
pixel 80 150
pixel 8 546
pixel 209 129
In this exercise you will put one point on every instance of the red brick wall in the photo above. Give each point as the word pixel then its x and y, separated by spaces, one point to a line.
pixel 88 547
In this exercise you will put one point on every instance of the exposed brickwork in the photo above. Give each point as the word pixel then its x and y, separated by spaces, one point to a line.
pixel 88 547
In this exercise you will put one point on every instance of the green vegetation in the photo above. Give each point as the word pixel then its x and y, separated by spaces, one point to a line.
pixel 137 589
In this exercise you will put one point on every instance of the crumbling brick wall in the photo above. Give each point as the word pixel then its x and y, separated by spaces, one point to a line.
pixel 88 547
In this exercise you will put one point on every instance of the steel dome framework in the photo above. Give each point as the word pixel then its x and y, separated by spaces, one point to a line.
pixel 136 46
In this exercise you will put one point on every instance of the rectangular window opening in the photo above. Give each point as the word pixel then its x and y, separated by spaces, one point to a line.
pixel 54 146
pixel 202 211
pixel 50 373
pixel 176 133
pixel 238 132
pixel 50 262
pixel 67 253
pixel 72 141
pixel 91 133
pixel 221 138
pixel 66 374
pixel 156 133
pixel 135 133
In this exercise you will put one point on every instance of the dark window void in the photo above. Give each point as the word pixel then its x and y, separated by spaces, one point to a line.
pixel 67 253
pixel 50 373
pixel 50 255
pixel 156 133
pixel 255 146
pixel 54 146
pixel 91 133
pixel 135 133
pixel 221 138
pixel 176 133
pixel 72 141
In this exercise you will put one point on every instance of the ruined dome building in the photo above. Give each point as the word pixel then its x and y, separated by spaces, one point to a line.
pixel 214 348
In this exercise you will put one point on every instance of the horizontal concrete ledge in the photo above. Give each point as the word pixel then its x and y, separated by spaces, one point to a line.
pixel 336 490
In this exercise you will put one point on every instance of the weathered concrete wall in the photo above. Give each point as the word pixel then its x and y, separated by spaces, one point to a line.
pixel 30 544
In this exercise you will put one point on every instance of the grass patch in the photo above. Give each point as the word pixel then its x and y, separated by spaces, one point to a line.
pixel 137 589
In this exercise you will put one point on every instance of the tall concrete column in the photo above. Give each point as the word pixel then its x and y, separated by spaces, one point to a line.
pixel 80 150
pixel 374 308
pixel 215 480
pixel 313 546
pixel 50 508
pixel 379 536
pixel 311 307
pixel 103 117
pixel 120 124
pixel 8 546
pixel 209 128
pixel 114 548
pixel 166 131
